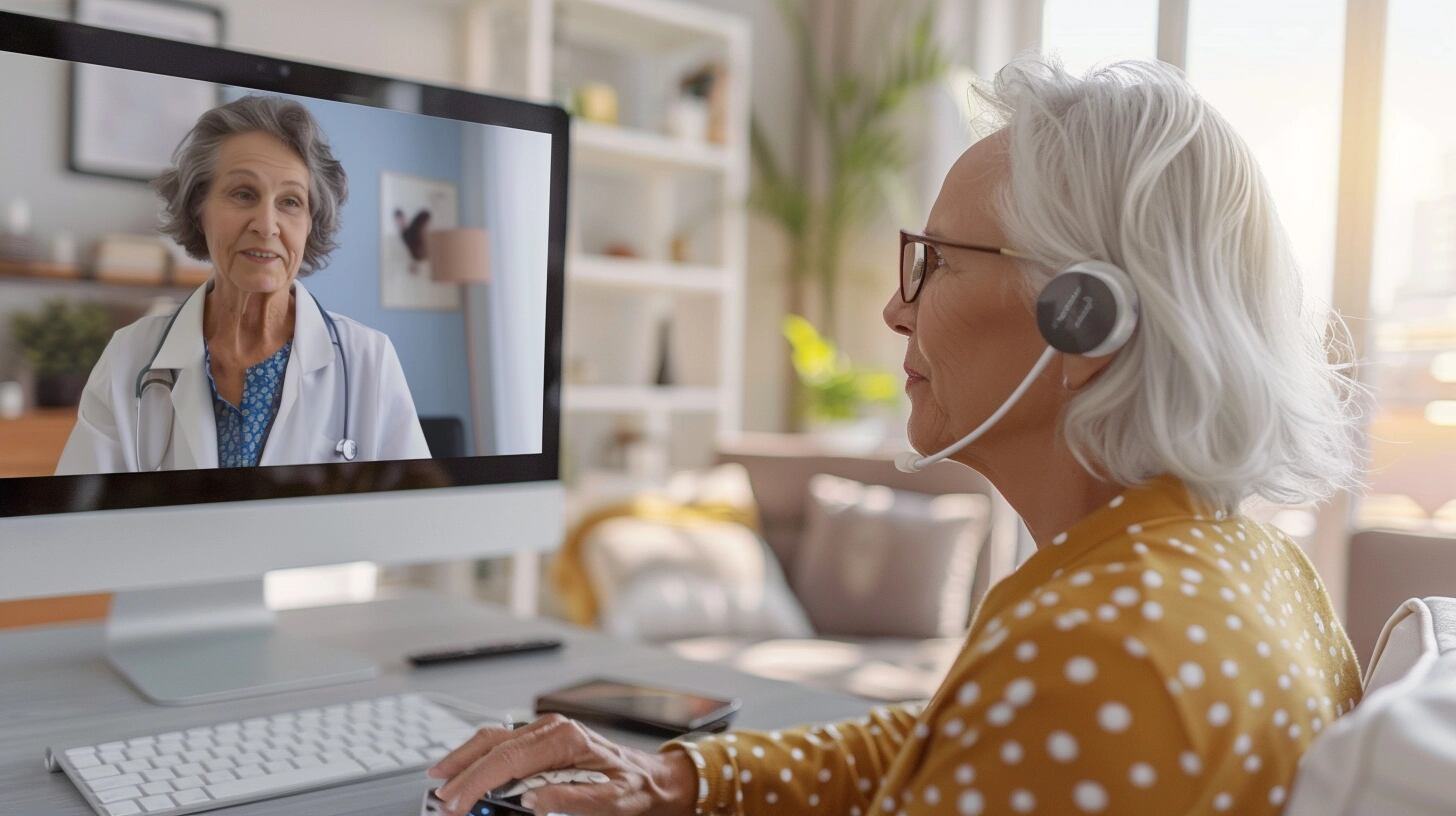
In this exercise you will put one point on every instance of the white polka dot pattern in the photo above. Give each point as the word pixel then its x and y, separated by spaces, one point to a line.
pixel 1151 627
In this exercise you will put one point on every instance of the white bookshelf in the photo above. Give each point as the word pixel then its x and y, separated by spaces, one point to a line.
pixel 633 184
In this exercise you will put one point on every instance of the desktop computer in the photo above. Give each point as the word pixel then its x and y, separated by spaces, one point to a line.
pixel 320 322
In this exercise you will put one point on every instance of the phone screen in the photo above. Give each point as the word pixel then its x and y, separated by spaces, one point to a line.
pixel 677 708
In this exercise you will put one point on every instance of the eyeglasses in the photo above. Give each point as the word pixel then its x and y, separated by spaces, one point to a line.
pixel 920 255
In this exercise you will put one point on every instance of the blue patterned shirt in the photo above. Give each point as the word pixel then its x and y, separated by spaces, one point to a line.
pixel 242 429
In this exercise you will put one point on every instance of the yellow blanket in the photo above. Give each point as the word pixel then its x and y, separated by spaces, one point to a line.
pixel 568 569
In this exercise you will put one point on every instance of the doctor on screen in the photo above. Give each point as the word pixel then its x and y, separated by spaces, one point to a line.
pixel 251 369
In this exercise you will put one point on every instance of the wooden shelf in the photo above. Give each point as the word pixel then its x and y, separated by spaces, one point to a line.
pixel 625 150
pixel 65 274
pixel 631 398
pixel 629 273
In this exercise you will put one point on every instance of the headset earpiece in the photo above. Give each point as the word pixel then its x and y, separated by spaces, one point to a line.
pixel 1089 309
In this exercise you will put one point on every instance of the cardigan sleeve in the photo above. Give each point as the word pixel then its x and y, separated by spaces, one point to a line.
pixel 832 768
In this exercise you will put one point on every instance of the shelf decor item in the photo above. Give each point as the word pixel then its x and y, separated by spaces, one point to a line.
pixel 125 124
pixel 136 259
pixel 61 343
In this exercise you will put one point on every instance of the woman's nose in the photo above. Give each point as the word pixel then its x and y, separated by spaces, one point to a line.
pixel 265 221
pixel 899 315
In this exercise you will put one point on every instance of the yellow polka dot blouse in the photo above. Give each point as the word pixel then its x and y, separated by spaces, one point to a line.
pixel 1158 658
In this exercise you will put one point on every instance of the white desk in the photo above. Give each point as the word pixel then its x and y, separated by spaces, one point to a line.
pixel 57 689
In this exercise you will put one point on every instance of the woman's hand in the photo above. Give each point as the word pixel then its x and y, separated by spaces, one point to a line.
pixel 640 783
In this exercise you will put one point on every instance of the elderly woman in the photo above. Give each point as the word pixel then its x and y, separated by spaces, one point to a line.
pixel 250 369
pixel 1159 653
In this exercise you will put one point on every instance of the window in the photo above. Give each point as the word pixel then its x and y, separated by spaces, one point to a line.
pixel 1412 347
pixel 1085 34
pixel 1275 71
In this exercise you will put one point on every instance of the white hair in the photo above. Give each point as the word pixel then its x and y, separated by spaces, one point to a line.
pixel 1227 382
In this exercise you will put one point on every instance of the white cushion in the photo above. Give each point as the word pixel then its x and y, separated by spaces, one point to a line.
pixel 657 580
pixel 1395 754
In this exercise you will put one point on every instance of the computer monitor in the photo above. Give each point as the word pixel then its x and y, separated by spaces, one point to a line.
pixel 230 371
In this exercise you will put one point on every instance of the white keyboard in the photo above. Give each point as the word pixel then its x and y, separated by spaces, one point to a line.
pixel 233 762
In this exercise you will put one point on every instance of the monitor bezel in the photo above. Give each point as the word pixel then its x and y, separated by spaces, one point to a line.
pixel 76 43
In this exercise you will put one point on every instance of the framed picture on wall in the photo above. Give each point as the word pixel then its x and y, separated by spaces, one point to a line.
pixel 125 124
pixel 409 207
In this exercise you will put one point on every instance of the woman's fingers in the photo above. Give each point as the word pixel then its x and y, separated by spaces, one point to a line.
pixel 474 748
pixel 578 799
pixel 556 743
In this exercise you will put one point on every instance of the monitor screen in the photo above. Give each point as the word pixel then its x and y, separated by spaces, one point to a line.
pixel 226 277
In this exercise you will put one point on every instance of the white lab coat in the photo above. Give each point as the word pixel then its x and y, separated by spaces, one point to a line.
pixel 310 420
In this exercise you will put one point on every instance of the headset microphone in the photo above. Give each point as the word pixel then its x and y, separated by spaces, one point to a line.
pixel 1088 309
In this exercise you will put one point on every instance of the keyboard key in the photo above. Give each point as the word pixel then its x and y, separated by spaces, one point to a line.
pixel 219 776
pixel 159 775
pixel 219 764
pixel 190 769
pixel 154 788
pixel 135 765
pixel 324 773
pixel 277 766
pixel 75 752
pixel 106 797
pixel 188 783
pixel 83 761
pixel 122 809
pixel 110 782
pixel 99 772
pixel 191 797
pixel 111 746
pixel 152 804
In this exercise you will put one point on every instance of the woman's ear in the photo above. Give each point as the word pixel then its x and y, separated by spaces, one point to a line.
pixel 1078 371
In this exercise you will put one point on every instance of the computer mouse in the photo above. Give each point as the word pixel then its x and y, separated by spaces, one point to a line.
pixel 507 798
pixel 432 806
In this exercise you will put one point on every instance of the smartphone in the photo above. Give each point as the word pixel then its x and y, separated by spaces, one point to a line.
pixel 639 708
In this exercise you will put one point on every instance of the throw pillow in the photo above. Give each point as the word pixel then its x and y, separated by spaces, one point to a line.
pixel 877 562
pixel 664 580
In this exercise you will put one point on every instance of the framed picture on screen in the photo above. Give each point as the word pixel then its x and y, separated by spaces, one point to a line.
pixel 125 124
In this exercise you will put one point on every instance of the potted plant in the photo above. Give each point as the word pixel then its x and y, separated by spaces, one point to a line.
pixel 838 398
pixel 62 342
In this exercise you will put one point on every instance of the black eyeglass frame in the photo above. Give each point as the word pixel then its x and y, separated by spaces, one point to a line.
pixel 932 250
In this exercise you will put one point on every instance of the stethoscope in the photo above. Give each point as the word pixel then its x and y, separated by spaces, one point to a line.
pixel 347 448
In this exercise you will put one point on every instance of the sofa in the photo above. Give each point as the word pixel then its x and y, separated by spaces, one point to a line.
pixel 880 646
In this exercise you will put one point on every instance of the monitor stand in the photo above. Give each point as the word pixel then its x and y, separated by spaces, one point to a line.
pixel 204 644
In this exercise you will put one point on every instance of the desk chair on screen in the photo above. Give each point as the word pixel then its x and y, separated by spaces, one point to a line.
pixel 445 436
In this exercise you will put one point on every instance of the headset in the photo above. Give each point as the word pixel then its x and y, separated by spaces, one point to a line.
pixel 158 445
pixel 1088 309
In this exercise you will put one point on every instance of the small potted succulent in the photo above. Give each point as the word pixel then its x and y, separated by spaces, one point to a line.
pixel 62 342
pixel 839 400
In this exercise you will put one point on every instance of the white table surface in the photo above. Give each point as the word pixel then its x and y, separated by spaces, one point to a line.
pixel 57 689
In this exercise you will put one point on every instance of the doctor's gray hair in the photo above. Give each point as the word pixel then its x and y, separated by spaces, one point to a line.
pixel 1227 381
pixel 185 185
